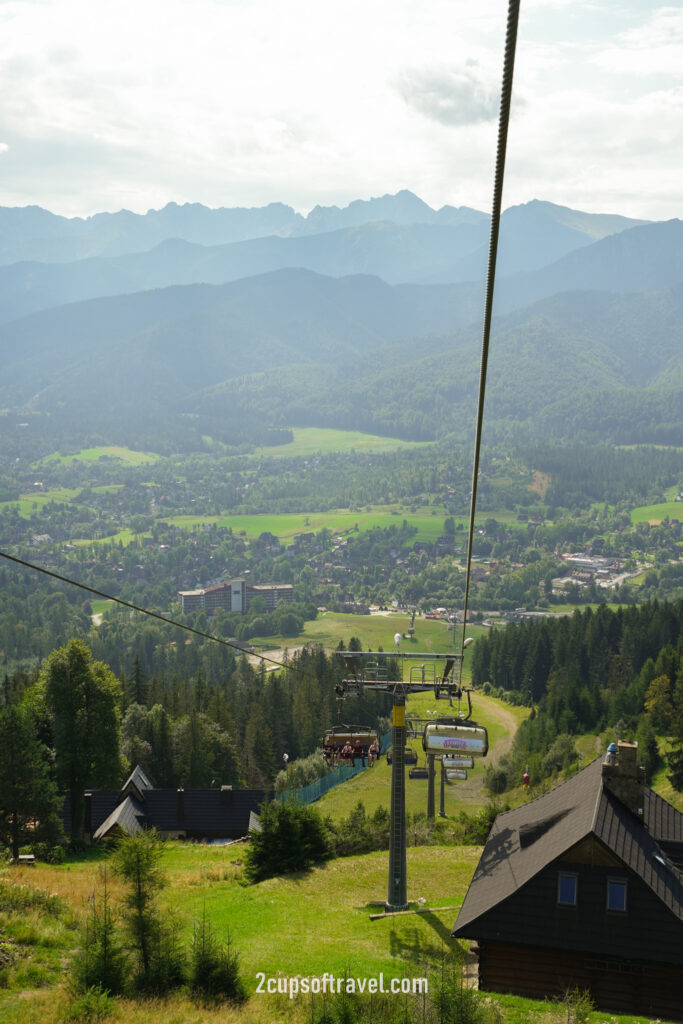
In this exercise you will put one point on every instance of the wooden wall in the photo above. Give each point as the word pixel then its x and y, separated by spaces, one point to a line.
pixel 618 985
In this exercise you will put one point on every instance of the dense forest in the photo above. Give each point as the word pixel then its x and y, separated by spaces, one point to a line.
pixel 207 715
pixel 620 669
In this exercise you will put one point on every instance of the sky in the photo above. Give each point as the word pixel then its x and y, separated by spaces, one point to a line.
pixel 131 105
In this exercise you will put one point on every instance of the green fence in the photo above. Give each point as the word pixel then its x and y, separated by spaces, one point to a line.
pixel 314 790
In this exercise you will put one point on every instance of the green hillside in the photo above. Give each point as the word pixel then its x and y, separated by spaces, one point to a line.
pixel 303 925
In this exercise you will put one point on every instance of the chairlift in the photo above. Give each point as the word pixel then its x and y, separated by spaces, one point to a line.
pixel 409 756
pixel 456 737
pixel 358 737
pixel 459 761
pixel 419 772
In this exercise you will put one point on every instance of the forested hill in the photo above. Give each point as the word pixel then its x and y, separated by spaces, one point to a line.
pixel 582 674
pixel 276 349
pixel 229 323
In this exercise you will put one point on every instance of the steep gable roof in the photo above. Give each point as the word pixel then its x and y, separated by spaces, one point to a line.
pixel 127 816
pixel 136 784
pixel 527 839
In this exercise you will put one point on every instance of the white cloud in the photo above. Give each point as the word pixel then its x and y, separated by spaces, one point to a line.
pixel 312 101
pixel 653 48
pixel 452 96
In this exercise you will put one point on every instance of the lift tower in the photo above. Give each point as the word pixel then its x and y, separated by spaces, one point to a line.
pixel 412 673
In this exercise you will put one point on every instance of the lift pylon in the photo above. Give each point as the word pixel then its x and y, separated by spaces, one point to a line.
pixel 400 675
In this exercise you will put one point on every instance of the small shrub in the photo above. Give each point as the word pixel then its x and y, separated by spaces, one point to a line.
pixel 578 1005
pixel 25 897
pixel 214 969
pixel 100 963
pixel 48 853
pixel 292 838
pixel 93 1006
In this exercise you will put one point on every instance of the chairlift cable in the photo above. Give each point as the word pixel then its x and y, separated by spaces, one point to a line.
pixel 503 123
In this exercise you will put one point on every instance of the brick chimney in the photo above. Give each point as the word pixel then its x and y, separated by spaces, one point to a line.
pixel 622 776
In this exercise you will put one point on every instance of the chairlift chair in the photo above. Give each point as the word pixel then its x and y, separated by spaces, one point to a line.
pixel 461 737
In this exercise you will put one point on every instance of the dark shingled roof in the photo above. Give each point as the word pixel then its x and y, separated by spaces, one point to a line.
pixel 527 839
pixel 137 782
pixel 199 813
pixel 128 816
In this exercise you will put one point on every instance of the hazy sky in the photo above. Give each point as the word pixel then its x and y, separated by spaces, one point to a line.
pixel 244 102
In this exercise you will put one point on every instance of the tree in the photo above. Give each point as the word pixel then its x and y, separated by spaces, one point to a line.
pixel 160 961
pixel 101 961
pixel 29 802
pixel 214 967
pixel 83 697
pixel 658 703
pixel 292 838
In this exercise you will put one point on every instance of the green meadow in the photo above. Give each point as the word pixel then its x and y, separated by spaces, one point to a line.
pixel 123 537
pixel 342 521
pixel 374 632
pixel 127 455
pixel 301 925
pixel 657 513
pixel 30 503
pixel 322 441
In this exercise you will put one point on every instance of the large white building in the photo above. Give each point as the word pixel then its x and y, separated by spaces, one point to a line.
pixel 234 596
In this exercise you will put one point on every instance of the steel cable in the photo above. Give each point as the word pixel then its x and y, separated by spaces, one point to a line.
pixel 503 123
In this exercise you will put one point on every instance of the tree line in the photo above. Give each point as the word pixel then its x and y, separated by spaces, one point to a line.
pixel 588 672
pixel 73 725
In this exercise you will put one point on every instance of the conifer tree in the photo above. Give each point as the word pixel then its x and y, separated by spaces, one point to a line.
pixel 83 697
pixel 29 802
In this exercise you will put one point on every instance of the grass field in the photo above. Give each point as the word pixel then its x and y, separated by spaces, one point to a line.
pixel 656 513
pixel 286 527
pixel 322 441
pixel 301 925
pixel 127 455
pixel 123 537
pixel 30 503
pixel 373 631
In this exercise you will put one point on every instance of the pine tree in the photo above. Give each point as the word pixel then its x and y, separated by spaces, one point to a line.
pixel 83 697
pixel 29 803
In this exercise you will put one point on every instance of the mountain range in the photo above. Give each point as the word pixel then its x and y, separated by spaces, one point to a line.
pixel 368 315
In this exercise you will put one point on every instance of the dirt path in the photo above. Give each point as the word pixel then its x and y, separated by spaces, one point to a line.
pixel 503 717
pixel 472 790
pixel 276 654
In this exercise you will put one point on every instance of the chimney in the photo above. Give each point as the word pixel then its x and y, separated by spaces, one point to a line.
pixel 180 804
pixel 87 824
pixel 226 794
pixel 622 776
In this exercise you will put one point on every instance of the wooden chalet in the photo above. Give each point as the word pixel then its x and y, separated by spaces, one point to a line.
pixel 199 814
pixel 583 887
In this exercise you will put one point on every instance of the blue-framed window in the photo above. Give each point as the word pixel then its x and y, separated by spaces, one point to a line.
pixel 567 889
pixel 616 894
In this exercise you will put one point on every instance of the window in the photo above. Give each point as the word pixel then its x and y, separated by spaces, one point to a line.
pixel 616 894
pixel 567 886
